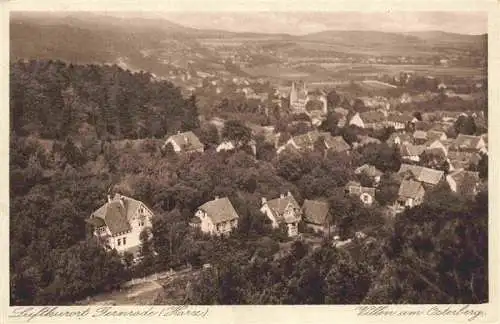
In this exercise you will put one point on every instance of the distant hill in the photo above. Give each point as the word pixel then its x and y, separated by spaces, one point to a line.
pixel 363 37
pixel 444 37
pixel 156 44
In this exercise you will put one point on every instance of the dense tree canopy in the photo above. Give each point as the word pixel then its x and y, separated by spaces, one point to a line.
pixel 62 172
pixel 55 100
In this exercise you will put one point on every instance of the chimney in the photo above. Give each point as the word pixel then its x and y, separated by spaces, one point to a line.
pixel 216 197
pixel 282 196
pixel 264 201
pixel 109 198
pixel 289 194
pixel 178 132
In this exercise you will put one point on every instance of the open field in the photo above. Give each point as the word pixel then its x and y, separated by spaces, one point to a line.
pixel 357 71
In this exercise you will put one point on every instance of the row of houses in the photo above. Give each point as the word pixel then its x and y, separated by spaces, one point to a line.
pixel 118 223
pixel 188 142
pixel 379 119
pixel 460 152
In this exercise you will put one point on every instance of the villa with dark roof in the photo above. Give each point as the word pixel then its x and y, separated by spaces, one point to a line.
pixel 283 210
pixel 119 222
pixel 316 215
pixel 411 193
pixel 216 217
pixel 427 176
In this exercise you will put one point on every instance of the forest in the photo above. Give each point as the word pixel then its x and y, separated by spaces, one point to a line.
pixel 74 132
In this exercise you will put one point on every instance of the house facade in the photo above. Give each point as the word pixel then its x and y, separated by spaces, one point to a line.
pixel 468 143
pixel 365 194
pixel 119 222
pixel 216 217
pixel 283 210
pixel 410 152
pixel 411 193
pixel 463 182
pixel 369 119
pixel 370 171
pixel 232 145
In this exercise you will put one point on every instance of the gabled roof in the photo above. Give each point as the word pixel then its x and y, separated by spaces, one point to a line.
pixel 279 205
pixel 372 117
pixel 342 111
pixel 466 181
pixel 400 118
pixel 364 140
pixel 466 142
pixel 422 125
pixel 315 211
pixel 409 189
pixel 369 170
pixel 422 174
pixel 306 140
pixel 116 214
pixel 435 151
pixel 461 175
pixel 433 135
pixel 336 144
pixel 187 141
pixel 412 150
pixel 358 189
pixel 404 137
pixel 473 158
pixel 419 134
pixel 219 210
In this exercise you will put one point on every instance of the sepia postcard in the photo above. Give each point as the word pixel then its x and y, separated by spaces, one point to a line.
pixel 230 162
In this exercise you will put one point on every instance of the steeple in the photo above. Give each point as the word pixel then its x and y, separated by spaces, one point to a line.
pixel 293 94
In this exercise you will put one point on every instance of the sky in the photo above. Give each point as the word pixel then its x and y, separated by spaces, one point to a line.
pixel 309 22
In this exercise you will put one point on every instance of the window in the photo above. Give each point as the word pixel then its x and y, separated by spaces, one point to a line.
pixel 119 242
pixel 124 240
